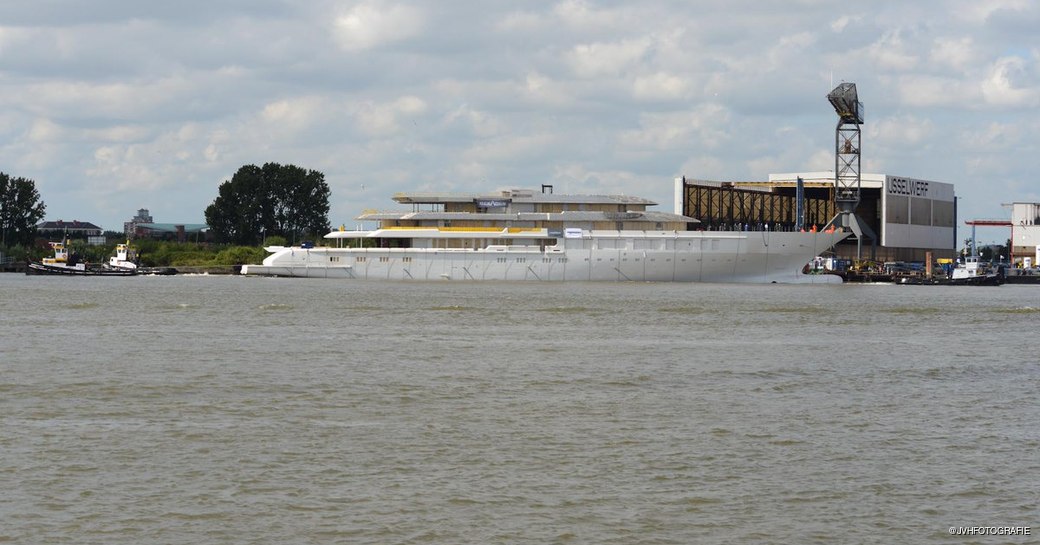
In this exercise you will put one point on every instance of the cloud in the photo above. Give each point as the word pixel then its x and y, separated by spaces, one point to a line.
pixel 382 119
pixel 1010 83
pixel 581 14
pixel 542 90
pixel 902 131
pixel 370 25
pixel 477 123
pixel 841 23
pixel 891 53
pixel 607 59
pixel 520 22
pixel 934 92
pixel 119 104
pixel 992 137
pixel 660 86
pixel 297 113
pixel 980 12
pixel 44 130
pixel 662 140
pixel 958 53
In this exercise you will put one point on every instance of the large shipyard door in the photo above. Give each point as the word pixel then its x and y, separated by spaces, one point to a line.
pixel 721 207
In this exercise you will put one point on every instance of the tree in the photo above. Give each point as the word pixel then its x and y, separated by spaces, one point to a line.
pixel 282 200
pixel 20 210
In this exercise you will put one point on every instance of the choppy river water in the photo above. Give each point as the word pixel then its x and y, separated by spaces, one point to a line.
pixel 212 409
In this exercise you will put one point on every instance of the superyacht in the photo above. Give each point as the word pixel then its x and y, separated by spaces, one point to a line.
pixel 523 234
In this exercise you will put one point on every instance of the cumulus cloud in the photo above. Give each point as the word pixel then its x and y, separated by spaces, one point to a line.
pixel 959 53
pixel 992 137
pixel 372 24
pixel 706 127
pixel 891 53
pixel 660 86
pixel 840 23
pixel 607 59
pixel 478 123
pixel 518 21
pixel 909 130
pixel 44 130
pixel 582 14
pixel 381 119
pixel 1008 84
pixel 980 12
pixel 923 91
pixel 113 105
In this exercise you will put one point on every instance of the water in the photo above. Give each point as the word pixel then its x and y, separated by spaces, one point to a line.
pixel 244 410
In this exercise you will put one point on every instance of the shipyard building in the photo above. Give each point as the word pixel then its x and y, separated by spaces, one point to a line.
pixel 910 217
pixel 1025 234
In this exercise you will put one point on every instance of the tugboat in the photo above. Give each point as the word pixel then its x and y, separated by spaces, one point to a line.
pixel 126 259
pixel 69 265
pixel 976 273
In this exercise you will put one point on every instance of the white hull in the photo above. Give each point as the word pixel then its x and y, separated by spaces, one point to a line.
pixel 701 256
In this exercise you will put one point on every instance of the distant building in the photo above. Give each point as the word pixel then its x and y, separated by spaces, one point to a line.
pixel 130 227
pixel 143 226
pixel 74 229
pixel 181 232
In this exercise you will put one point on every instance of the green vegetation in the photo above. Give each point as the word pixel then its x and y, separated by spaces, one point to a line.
pixel 280 200
pixel 154 253
pixel 273 205
pixel 20 210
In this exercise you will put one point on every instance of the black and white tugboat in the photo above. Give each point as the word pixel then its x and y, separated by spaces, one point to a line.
pixel 126 258
pixel 67 264
pixel 974 272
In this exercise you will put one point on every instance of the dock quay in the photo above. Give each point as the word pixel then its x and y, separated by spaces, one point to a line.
pixel 1023 276
pixel 216 269
pixel 10 265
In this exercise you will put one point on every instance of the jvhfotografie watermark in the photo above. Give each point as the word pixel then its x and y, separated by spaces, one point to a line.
pixel 991 530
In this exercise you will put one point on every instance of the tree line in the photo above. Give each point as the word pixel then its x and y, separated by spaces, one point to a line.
pixel 20 210
pixel 257 203
pixel 272 200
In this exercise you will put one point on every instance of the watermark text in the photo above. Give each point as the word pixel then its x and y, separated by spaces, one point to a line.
pixel 991 530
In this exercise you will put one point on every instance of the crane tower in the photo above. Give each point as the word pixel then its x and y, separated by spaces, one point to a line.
pixel 847 165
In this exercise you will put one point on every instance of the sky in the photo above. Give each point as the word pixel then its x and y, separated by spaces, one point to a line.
pixel 115 105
